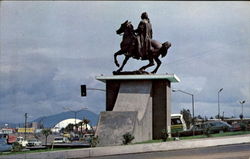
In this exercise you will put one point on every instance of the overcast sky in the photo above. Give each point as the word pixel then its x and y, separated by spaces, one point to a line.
pixel 48 49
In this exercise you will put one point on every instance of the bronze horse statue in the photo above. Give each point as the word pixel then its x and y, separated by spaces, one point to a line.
pixel 129 49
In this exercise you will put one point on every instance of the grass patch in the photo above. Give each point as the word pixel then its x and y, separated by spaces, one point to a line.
pixel 231 133
pixel 149 142
pixel 198 137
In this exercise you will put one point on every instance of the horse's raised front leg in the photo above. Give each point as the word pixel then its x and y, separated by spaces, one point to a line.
pixel 157 60
pixel 115 57
pixel 151 63
pixel 123 64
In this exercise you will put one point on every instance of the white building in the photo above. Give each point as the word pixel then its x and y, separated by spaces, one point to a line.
pixel 65 123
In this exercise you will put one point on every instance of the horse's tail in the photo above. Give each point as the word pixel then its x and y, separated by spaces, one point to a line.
pixel 164 49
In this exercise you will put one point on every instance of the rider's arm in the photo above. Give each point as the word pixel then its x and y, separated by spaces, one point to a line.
pixel 140 27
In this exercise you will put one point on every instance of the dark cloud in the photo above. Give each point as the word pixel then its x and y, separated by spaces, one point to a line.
pixel 48 49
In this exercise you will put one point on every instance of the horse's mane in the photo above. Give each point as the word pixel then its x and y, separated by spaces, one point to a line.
pixel 131 28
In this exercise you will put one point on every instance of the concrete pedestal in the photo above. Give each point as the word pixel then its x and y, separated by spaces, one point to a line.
pixel 138 104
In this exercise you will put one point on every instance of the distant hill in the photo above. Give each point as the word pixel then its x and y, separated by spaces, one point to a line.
pixel 52 120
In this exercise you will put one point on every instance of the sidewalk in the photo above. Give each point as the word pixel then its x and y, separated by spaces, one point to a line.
pixel 137 148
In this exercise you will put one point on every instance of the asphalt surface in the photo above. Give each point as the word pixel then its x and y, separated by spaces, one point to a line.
pixel 239 151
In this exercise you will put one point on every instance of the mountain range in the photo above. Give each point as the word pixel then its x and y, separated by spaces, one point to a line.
pixel 51 120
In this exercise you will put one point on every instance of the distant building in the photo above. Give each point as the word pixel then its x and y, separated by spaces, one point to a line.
pixel 236 120
pixel 28 130
pixel 65 123
pixel 7 131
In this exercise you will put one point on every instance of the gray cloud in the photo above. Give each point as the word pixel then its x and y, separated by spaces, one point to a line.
pixel 48 49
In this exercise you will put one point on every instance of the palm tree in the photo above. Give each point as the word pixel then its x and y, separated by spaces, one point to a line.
pixel 80 124
pixel 46 133
pixel 86 122
pixel 69 127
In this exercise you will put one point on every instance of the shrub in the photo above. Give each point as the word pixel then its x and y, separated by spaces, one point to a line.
pixel 16 147
pixel 164 135
pixel 243 126
pixel 94 141
pixel 127 138
pixel 207 131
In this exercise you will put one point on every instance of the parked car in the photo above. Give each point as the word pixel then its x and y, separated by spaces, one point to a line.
pixel 4 146
pixel 178 123
pixel 21 141
pixel 75 138
pixel 211 126
pixel 34 142
pixel 87 137
pixel 236 127
pixel 11 139
pixel 218 126
pixel 58 140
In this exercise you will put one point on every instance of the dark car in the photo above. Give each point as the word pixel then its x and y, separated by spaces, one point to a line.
pixel 211 126
pixel 217 126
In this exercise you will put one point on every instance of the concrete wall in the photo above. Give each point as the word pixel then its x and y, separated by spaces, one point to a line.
pixel 112 125
pixel 161 107
pixel 148 99
pixel 112 89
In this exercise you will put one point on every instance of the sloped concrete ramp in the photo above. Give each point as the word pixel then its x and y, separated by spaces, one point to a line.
pixel 112 125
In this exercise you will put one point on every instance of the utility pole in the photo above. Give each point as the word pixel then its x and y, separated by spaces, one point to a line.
pixel 242 102
pixel 25 125
pixel 193 123
pixel 219 102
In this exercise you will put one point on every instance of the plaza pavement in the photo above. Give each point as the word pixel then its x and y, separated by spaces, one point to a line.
pixel 136 148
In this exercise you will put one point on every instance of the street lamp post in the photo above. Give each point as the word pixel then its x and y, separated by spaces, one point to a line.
pixel 242 102
pixel 192 103
pixel 219 102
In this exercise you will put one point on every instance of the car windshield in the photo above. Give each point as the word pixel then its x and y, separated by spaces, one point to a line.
pixel 58 138
pixel 175 121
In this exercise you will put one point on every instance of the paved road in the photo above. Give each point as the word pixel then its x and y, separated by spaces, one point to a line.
pixel 239 151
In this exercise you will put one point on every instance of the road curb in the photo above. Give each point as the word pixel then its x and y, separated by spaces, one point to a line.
pixel 138 148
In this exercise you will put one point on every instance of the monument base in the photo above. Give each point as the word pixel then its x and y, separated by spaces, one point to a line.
pixel 138 104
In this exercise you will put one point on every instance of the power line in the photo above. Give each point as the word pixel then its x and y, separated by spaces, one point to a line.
pixel 200 55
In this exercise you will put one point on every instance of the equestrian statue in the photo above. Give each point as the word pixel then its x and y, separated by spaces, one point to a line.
pixel 139 44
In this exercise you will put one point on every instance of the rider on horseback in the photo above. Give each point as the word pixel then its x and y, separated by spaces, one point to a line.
pixel 144 35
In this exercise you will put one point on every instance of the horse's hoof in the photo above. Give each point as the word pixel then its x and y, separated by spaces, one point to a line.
pixel 116 72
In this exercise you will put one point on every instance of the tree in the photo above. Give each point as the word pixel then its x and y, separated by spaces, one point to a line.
pixel 205 118
pixel 199 117
pixel 187 117
pixel 241 116
pixel 80 125
pixel 86 122
pixel 69 127
pixel 46 133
